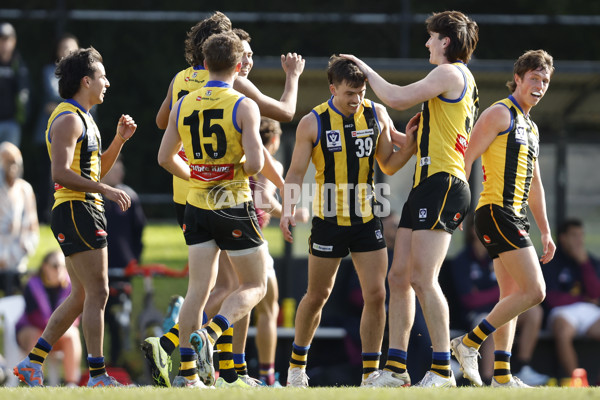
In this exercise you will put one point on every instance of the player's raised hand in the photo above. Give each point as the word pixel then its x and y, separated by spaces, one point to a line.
pixel 126 127
pixel 292 63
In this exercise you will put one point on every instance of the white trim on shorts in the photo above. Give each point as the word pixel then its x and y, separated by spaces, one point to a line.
pixel 208 243
pixel 245 252
pixel 581 316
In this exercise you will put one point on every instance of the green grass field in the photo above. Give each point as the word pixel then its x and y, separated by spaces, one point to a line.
pixel 346 393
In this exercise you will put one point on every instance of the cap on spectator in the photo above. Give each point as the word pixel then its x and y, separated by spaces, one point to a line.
pixel 7 30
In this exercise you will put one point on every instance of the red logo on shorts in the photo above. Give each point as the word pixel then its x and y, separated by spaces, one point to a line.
pixel 60 237
pixel 523 232
pixel 457 216
pixel 101 233
pixel 236 233
pixel 487 239
pixel 184 226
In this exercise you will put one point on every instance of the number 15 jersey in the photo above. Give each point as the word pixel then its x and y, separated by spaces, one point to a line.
pixel 212 140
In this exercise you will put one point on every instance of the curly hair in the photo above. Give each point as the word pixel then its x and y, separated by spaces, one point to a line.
pixel 216 23
pixel 72 68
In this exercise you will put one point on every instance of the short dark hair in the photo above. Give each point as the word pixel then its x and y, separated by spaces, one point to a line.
pixel 531 60
pixel 341 69
pixel 72 68
pixel 569 223
pixel 223 51
pixel 268 129
pixel 242 34
pixel 462 31
pixel 216 23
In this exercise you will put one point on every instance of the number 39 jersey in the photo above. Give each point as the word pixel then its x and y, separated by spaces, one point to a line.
pixel 212 140
pixel 343 156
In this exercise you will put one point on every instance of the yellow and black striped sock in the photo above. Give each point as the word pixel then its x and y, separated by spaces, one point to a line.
pixel 502 366
pixel 225 349
pixel 215 329
pixel 440 363
pixel 239 363
pixel 170 340
pixel 187 365
pixel 40 351
pixel 396 361
pixel 478 335
pixel 299 356
pixel 96 365
pixel 370 363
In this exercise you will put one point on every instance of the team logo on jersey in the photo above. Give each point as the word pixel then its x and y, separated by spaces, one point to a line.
pixel 101 233
pixel 422 213
pixel 187 79
pixel 198 98
pixel 320 247
pixel 334 141
pixel 363 133
pixel 92 142
pixel 195 74
pixel 208 92
pixel 461 144
pixel 521 135
pixel 60 237
pixel 457 216
pixel 487 239
pixel 236 233
pixel 378 234
pixel 425 161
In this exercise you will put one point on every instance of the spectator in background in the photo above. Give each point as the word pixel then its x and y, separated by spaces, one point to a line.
pixel 573 293
pixel 50 99
pixel 477 290
pixel 19 230
pixel 125 229
pixel 44 292
pixel 14 87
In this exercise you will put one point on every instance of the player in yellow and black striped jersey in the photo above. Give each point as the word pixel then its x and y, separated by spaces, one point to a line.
pixel 78 222
pixel 440 196
pixel 217 127
pixel 343 136
pixel 508 142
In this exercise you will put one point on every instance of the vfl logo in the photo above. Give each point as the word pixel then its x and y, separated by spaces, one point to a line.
pixel 521 135
pixel 195 74
pixel 378 234
pixel 334 141
pixel 422 213
pixel 425 161
pixel 208 92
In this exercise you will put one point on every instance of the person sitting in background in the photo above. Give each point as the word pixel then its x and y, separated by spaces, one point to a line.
pixel 125 230
pixel 19 230
pixel 573 293
pixel 44 292
pixel 477 289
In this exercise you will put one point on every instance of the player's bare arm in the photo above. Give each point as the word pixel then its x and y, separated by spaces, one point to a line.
pixel 126 127
pixel 271 171
pixel 537 204
pixel 281 110
pixel 390 160
pixel 65 132
pixel 248 119
pixel 162 117
pixel 169 146
pixel 492 121
pixel 306 136
pixel 445 80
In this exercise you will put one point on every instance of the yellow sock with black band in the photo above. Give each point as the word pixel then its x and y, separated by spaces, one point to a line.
pixel 215 329
pixel 502 372
pixel 225 349
pixel 476 337
pixel 170 340
pixel 396 361
pixel 370 363
pixel 440 364
pixel 187 365
pixel 40 351
pixel 97 366
pixel 299 356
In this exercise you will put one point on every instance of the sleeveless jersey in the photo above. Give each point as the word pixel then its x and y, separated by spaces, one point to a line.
pixel 444 131
pixel 86 160
pixel 185 81
pixel 343 157
pixel 508 162
pixel 212 140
